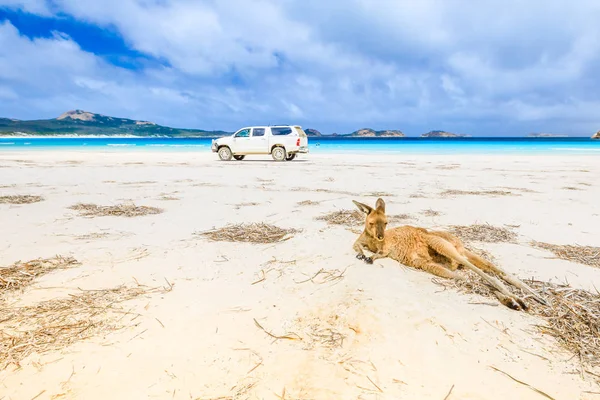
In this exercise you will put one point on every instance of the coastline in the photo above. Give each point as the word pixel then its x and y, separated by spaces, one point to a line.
pixel 349 146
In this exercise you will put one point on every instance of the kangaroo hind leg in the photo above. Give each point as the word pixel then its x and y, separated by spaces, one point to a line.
pixel 505 296
pixel 487 266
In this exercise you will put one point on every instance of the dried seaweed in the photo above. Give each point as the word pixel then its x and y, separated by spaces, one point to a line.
pixel 586 255
pixel 308 203
pixel 58 323
pixel 431 213
pixel 572 315
pixel 378 194
pixel 343 217
pixel 92 236
pixel 249 204
pixel 20 199
pixel 483 233
pixel 453 192
pixel 118 210
pixel 21 274
pixel 250 233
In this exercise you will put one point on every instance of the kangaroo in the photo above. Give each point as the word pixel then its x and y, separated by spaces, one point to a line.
pixel 436 252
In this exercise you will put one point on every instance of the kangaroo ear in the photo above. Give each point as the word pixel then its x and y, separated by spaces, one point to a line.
pixel 363 207
pixel 380 204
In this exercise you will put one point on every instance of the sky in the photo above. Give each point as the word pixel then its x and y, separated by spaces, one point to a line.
pixel 483 68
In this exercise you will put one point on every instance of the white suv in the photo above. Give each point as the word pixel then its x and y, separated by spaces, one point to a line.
pixel 283 142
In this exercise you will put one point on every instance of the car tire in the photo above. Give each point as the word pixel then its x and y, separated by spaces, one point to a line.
pixel 290 157
pixel 225 153
pixel 239 158
pixel 278 153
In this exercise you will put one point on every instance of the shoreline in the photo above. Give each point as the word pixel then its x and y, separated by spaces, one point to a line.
pixel 326 137
pixel 391 155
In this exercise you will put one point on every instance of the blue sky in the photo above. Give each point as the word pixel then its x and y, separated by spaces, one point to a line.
pixel 481 68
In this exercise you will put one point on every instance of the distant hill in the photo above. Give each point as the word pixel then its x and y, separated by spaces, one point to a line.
pixel 312 132
pixel 368 132
pixel 442 134
pixel 78 122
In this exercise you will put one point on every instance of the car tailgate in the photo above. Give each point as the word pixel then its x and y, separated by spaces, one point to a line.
pixel 302 135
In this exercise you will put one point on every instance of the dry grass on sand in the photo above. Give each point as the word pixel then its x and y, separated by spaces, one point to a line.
pixel 248 204
pixel 118 210
pixel 250 233
pixel 483 233
pixel 20 199
pixel 572 316
pixel 58 323
pixel 453 192
pixel 586 255
pixel 21 274
pixel 355 218
pixel 308 203
pixel 431 213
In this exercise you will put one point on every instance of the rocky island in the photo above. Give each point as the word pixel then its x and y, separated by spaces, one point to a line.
pixel 442 134
pixel 312 132
pixel 368 132
pixel 596 135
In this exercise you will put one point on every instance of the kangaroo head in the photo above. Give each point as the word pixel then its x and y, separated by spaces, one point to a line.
pixel 375 221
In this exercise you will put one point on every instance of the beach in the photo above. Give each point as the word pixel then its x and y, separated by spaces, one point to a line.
pixel 301 318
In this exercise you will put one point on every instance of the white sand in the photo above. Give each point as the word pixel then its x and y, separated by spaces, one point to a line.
pixel 404 337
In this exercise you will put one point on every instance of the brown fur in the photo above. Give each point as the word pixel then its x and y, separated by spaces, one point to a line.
pixel 436 252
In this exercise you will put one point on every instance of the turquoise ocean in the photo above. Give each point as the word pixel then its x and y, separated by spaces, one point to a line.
pixel 498 145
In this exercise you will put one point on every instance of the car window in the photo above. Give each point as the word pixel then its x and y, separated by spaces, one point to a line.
pixel 300 131
pixel 281 131
pixel 243 133
pixel 258 132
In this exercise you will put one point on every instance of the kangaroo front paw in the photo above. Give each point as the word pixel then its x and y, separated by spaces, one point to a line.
pixel 368 260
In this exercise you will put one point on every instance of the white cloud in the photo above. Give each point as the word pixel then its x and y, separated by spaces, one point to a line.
pixel 338 65
pixel 31 6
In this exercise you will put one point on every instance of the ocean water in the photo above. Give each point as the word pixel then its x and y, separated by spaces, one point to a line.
pixel 325 145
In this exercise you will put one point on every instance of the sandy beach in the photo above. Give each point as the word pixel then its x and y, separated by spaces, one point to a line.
pixel 301 318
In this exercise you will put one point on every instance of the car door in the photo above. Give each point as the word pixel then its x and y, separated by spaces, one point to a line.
pixel 259 143
pixel 241 141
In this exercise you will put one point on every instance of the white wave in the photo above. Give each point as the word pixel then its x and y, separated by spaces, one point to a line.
pixel 175 145
pixel 120 144
pixel 574 149
pixel 186 145
pixel 6 143
pixel 75 136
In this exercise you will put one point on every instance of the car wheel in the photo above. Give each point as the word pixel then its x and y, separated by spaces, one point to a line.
pixel 225 153
pixel 290 157
pixel 279 154
pixel 239 158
